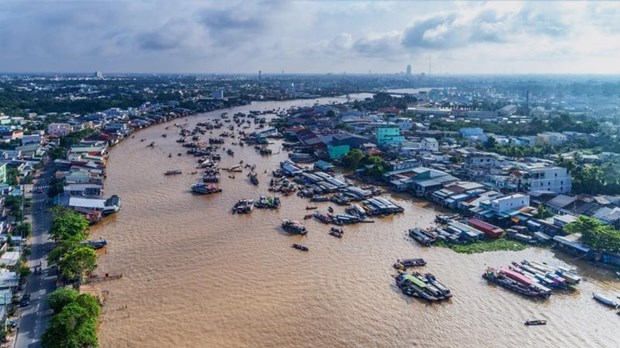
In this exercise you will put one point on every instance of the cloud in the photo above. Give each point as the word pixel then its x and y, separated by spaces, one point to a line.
pixel 384 45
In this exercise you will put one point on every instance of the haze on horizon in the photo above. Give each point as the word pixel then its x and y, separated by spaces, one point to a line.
pixel 459 37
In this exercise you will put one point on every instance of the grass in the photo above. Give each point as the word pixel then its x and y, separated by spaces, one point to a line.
pixel 485 245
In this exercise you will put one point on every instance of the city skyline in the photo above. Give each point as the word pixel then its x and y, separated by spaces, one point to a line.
pixel 310 37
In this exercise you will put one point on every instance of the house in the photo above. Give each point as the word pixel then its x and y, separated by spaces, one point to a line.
pixel 388 135
pixel 429 144
pixel 421 181
pixel 509 203
pixel 83 190
pixel 543 178
pixel 59 129
pixel 323 166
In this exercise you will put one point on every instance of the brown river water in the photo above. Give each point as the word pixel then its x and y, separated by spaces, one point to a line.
pixel 194 275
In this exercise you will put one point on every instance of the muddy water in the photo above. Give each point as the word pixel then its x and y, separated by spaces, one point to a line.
pixel 197 276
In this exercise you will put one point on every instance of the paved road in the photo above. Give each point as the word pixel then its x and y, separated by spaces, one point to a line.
pixel 33 319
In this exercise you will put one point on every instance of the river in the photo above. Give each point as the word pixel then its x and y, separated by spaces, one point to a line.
pixel 197 276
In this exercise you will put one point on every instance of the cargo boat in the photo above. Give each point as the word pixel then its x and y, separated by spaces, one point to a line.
pixel 292 226
pixel 501 280
pixel 605 301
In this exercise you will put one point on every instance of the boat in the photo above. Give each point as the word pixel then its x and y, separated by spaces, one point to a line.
pixel 535 322
pixel 309 216
pixel 500 279
pixel 401 264
pixel 292 226
pixel 253 178
pixel 205 189
pixel 300 247
pixel 420 237
pixel 173 172
pixel 243 206
pixel 95 244
pixel 330 209
pixel 605 301
pixel 310 208
pixel 335 233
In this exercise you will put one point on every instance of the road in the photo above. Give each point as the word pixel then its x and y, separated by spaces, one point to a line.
pixel 33 319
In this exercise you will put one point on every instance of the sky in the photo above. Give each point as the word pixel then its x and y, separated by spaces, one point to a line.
pixel 328 36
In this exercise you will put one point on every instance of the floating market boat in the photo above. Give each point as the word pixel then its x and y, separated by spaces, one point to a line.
pixel 205 189
pixel 535 322
pixel 253 178
pixel 173 172
pixel 300 247
pixel 421 286
pixel 292 226
pixel 405 263
pixel 336 232
pixel 605 301
pixel 310 208
pixel 570 276
pixel 243 206
pixel 502 280
pixel 420 237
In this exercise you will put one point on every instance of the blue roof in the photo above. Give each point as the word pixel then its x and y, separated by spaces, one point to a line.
pixel 575 245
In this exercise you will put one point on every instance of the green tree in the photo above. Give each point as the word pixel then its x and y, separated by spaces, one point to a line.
pixel 24 230
pixel 352 159
pixel 90 304
pixel 595 234
pixel 12 176
pixel 68 225
pixel 60 298
pixel 77 261
pixel 73 327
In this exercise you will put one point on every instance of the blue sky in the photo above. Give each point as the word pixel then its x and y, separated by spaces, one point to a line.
pixel 309 36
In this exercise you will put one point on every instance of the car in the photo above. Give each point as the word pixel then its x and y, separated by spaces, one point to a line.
pixel 25 300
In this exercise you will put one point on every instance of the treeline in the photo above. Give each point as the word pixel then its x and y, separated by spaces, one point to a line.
pixel 595 234
pixel 75 316
pixel 74 320
pixel 592 178
pixel 560 123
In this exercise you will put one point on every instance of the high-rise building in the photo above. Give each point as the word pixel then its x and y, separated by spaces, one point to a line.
pixel 218 94
pixel 98 75
pixel 409 70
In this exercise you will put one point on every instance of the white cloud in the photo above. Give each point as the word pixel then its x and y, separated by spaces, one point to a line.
pixel 309 36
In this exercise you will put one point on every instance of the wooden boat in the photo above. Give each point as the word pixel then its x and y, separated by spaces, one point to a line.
pixel 173 172
pixel 400 264
pixel 604 300
pixel 535 322
pixel 310 208
pixel 300 247
pixel 309 216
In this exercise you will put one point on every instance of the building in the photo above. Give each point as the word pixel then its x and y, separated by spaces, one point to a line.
pixel 420 181
pixel 59 129
pixel 471 132
pixel 388 135
pixel 409 70
pixel 3 172
pixel 509 203
pixel 337 151
pixel 554 179
pixel 218 94
pixel 429 144
pixel 552 138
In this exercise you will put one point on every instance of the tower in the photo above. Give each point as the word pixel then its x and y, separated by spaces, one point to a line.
pixel 409 70
pixel 260 72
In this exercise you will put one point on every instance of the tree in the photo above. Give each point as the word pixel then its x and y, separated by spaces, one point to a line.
pixel 90 304
pixel 12 176
pixel 67 225
pixel 72 327
pixel 595 234
pixel 352 159
pixel 24 230
pixel 60 298
pixel 77 261
pixel 491 143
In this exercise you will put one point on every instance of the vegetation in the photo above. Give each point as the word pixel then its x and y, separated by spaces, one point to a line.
pixel 68 225
pixel 74 322
pixel 375 166
pixel 485 245
pixel 595 234
pixel 69 229
pixel 78 259
pixel 592 178
pixel 23 229
pixel 12 176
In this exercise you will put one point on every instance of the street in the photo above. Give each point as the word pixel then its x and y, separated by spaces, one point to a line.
pixel 34 317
